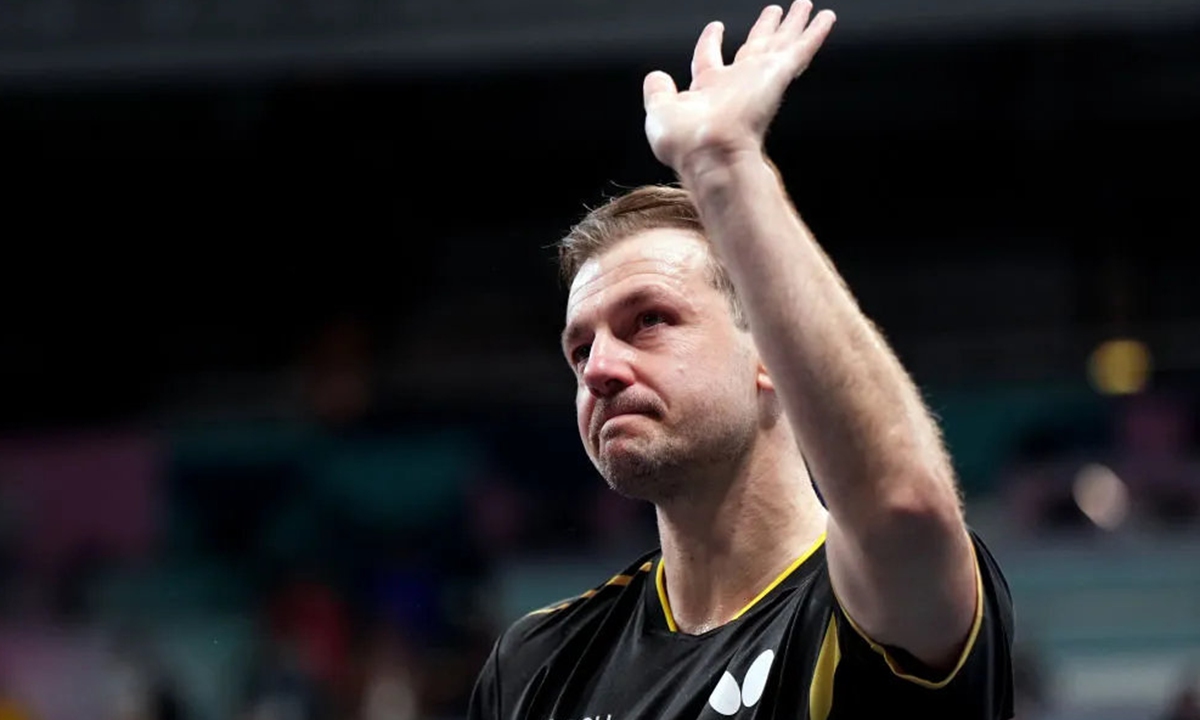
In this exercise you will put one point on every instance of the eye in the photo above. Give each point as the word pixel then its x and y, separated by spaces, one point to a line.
pixel 580 354
pixel 647 319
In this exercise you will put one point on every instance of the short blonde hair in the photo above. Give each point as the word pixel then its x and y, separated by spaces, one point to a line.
pixel 649 207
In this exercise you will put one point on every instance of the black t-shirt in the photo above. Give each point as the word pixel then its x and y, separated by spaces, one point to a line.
pixel 613 653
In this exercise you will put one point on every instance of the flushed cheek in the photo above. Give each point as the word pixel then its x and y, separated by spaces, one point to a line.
pixel 684 372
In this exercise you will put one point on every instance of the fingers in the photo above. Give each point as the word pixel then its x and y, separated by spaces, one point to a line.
pixel 793 33
pixel 656 86
pixel 776 31
pixel 766 25
pixel 813 38
pixel 708 49
pixel 797 19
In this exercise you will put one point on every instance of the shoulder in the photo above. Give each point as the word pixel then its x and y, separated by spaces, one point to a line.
pixel 553 636
pixel 978 686
pixel 537 635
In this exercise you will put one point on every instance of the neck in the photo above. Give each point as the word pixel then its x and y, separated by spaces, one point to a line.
pixel 723 547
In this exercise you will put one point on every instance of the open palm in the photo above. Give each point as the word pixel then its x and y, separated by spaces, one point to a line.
pixel 728 107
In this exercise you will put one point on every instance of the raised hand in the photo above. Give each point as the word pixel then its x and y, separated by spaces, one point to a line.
pixel 728 107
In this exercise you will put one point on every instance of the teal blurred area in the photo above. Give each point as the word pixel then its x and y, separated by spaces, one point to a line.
pixel 246 562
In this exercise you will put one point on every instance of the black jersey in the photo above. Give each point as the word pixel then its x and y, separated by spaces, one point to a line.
pixel 613 653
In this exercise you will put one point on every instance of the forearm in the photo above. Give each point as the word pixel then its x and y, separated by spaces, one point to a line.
pixel 858 417
pixel 899 556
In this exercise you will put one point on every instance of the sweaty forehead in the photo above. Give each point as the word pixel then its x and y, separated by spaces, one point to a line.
pixel 665 256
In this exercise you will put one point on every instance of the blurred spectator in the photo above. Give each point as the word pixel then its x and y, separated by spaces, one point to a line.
pixel 283 689
pixel 389 689
pixel 138 688
pixel 1185 705
pixel 1145 472
pixel 308 616
pixel 1154 426
pixel 1154 454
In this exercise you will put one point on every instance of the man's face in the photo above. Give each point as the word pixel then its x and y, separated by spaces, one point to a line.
pixel 667 383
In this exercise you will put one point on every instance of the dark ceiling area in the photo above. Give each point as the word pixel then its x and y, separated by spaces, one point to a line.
pixel 1029 132
pixel 159 228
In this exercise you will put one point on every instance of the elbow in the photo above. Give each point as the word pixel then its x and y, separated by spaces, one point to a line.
pixel 922 508
pixel 913 487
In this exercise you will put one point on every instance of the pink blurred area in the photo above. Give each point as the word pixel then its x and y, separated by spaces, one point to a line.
pixel 91 492
pixel 54 673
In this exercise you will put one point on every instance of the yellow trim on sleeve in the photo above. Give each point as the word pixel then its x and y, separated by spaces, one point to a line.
pixel 661 583
pixel 894 665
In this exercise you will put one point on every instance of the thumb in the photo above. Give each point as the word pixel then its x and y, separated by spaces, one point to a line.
pixel 657 85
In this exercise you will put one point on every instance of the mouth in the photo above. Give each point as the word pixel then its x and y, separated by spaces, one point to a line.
pixel 607 421
pixel 616 416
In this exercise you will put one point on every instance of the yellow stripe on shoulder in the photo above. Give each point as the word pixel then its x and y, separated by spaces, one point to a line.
pixel 618 580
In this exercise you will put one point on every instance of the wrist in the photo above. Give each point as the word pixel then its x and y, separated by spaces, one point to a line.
pixel 713 168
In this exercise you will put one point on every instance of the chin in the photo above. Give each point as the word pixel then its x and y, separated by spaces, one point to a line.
pixel 638 476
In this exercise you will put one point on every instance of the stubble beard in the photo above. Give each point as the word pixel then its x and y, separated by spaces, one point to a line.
pixel 662 469
pixel 640 475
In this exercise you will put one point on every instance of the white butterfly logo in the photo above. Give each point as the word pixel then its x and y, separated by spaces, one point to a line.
pixel 727 697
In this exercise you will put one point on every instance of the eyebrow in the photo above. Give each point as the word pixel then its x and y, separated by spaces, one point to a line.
pixel 637 297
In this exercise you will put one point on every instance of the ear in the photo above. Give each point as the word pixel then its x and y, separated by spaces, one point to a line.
pixel 769 408
pixel 763 378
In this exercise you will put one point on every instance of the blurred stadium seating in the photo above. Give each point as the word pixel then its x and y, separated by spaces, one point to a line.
pixel 303 445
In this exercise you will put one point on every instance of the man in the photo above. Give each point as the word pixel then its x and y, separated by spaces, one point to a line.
pixel 719 356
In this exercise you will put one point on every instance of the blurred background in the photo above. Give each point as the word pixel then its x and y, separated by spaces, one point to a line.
pixel 284 431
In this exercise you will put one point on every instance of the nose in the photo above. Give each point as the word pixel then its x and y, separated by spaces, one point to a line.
pixel 609 367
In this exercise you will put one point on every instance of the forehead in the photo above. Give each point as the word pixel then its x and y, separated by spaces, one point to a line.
pixel 675 258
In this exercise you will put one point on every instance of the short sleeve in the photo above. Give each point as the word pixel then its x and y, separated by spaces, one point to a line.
pixel 484 703
pixel 869 676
